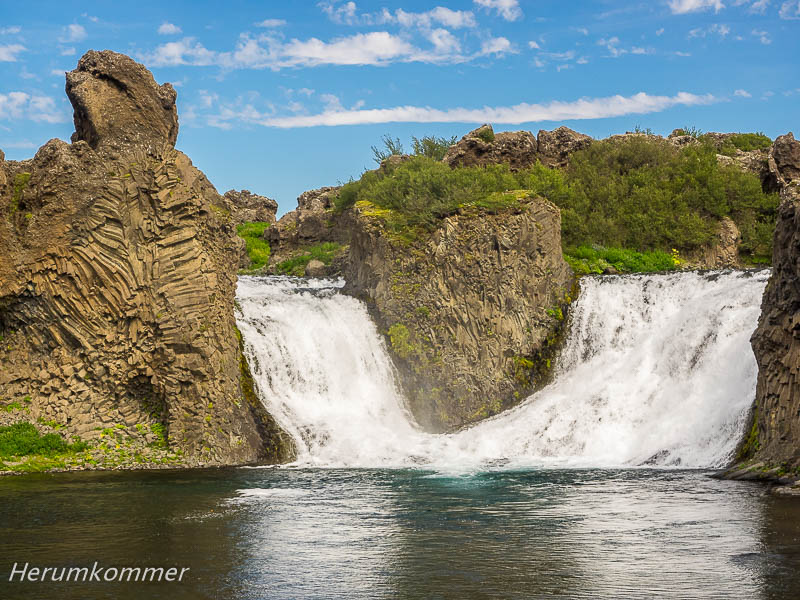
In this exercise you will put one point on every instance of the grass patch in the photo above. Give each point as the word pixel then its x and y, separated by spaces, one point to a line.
pixel 585 260
pixel 23 439
pixel 257 247
pixel 20 183
pixel 297 264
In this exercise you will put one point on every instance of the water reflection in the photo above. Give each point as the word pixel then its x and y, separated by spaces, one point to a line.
pixel 258 533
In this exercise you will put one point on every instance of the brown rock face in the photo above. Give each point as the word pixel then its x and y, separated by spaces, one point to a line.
pixel 482 147
pixel 248 207
pixel 117 280
pixel 471 313
pixel 776 341
pixel 312 222
pixel 117 103
pixel 556 146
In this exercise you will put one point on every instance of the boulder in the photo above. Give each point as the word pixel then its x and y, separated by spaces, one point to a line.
pixel 482 147
pixel 315 268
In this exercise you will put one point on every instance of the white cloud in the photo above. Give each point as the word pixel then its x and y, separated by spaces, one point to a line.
pixel 498 45
pixel 585 108
pixel 9 53
pixel 19 105
pixel 679 53
pixel 582 30
pixel 722 30
pixel 58 72
pixel 270 52
pixel 742 94
pixel 271 23
pixel 533 45
pixel 73 33
pixel 763 36
pixel 68 51
pixel 659 32
pixel 790 10
pixel 375 48
pixel 640 50
pixel 508 9
pixel 344 14
pixel 680 7
pixel 455 19
pixel 759 6
pixel 169 29
pixel 611 45
pixel 444 42
pixel 767 95
pixel 10 30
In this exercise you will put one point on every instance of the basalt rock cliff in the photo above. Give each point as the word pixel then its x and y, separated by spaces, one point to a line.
pixel 472 312
pixel 772 450
pixel 117 275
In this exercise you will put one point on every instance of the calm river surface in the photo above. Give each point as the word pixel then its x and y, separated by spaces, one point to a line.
pixel 321 533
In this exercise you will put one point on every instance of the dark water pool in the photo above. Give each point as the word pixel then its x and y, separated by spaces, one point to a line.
pixel 269 533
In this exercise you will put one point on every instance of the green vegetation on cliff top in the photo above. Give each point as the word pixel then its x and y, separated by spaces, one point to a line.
pixel 296 265
pixel 639 193
pixel 257 246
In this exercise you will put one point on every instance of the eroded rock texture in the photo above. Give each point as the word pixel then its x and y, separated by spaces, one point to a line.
pixel 246 206
pixel 472 312
pixel 117 277
pixel 776 341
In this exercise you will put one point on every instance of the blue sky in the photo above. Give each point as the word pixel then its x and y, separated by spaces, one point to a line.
pixel 282 97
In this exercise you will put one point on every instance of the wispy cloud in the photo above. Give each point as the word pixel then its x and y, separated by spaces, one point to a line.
pixel 508 9
pixel 680 7
pixel 790 10
pixel 271 23
pixel 14 29
pixel 377 48
pixel 759 7
pixel 585 108
pixel 20 105
pixel 763 36
pixel 9 53
pixel 742 94
pixel 169 29
pixel 73 33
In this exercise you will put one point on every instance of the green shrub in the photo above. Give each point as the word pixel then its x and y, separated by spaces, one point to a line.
pixel 297 264
pixel 23 439
pixel 422 191
pixel 639 193
pixel 432 146
pixel 745 142
pixel 585 260
pixel 644 194
pixel 257 247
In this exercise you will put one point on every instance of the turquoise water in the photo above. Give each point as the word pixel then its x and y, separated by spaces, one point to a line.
pixel 324 533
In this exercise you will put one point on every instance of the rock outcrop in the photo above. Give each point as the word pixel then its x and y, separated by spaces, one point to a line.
pixel 518 149
pixel 556 146
pixel 117 280
pixel 247 207
pixel 483 146
pixel 773 446
pixel 472 312
pixel 312 222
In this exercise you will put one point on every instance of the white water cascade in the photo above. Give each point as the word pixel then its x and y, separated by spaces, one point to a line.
pixel 657 371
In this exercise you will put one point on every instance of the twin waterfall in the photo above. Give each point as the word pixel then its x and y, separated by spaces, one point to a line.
pixel 657 371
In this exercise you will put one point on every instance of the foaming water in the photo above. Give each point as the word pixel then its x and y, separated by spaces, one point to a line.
pixel 657 370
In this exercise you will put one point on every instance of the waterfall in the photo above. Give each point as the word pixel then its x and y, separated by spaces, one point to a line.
pixel 657 370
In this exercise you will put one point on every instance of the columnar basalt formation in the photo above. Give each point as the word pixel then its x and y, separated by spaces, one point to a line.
pixel 246 206
pixel 775 440
pixel 117 276
pixel 472 312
